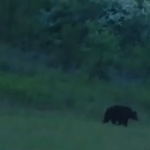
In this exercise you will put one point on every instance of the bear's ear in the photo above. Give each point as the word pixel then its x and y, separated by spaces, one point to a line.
pixel 135 112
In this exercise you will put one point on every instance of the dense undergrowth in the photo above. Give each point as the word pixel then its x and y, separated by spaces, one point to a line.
pixel 56 90
pixel 74 54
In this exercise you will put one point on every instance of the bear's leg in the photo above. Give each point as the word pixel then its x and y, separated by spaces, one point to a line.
pixel 120 121
pixel 113 120
pixel 125 122
pixel 106 120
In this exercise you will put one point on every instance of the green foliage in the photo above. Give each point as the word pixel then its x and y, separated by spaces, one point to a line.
pixel 56 90
pixel 78 36
pixel 19 21
pixel 70 51
pixel 81 39
pixel 102 54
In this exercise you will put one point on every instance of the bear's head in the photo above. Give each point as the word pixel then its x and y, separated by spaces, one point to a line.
pixel 134 116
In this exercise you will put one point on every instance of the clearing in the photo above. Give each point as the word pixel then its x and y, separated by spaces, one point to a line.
pixel 62 131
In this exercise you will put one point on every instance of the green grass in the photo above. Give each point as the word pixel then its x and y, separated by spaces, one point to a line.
pixel 61 131
pixel 50 89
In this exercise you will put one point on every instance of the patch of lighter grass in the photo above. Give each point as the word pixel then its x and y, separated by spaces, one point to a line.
pixel 59 131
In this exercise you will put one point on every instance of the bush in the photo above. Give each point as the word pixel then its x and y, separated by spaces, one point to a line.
pixel 86 40
pixel 56 90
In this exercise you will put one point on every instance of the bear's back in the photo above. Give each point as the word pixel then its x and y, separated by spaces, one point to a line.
pixel 119 108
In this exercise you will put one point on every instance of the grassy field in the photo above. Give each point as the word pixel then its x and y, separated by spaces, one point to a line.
pixel 50 90
pixel 62 131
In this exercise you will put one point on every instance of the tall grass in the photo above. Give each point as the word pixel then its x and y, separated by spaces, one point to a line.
pixel 57 131
pixel 55 90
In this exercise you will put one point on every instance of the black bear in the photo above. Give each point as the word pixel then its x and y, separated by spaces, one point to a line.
pixel 120 114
